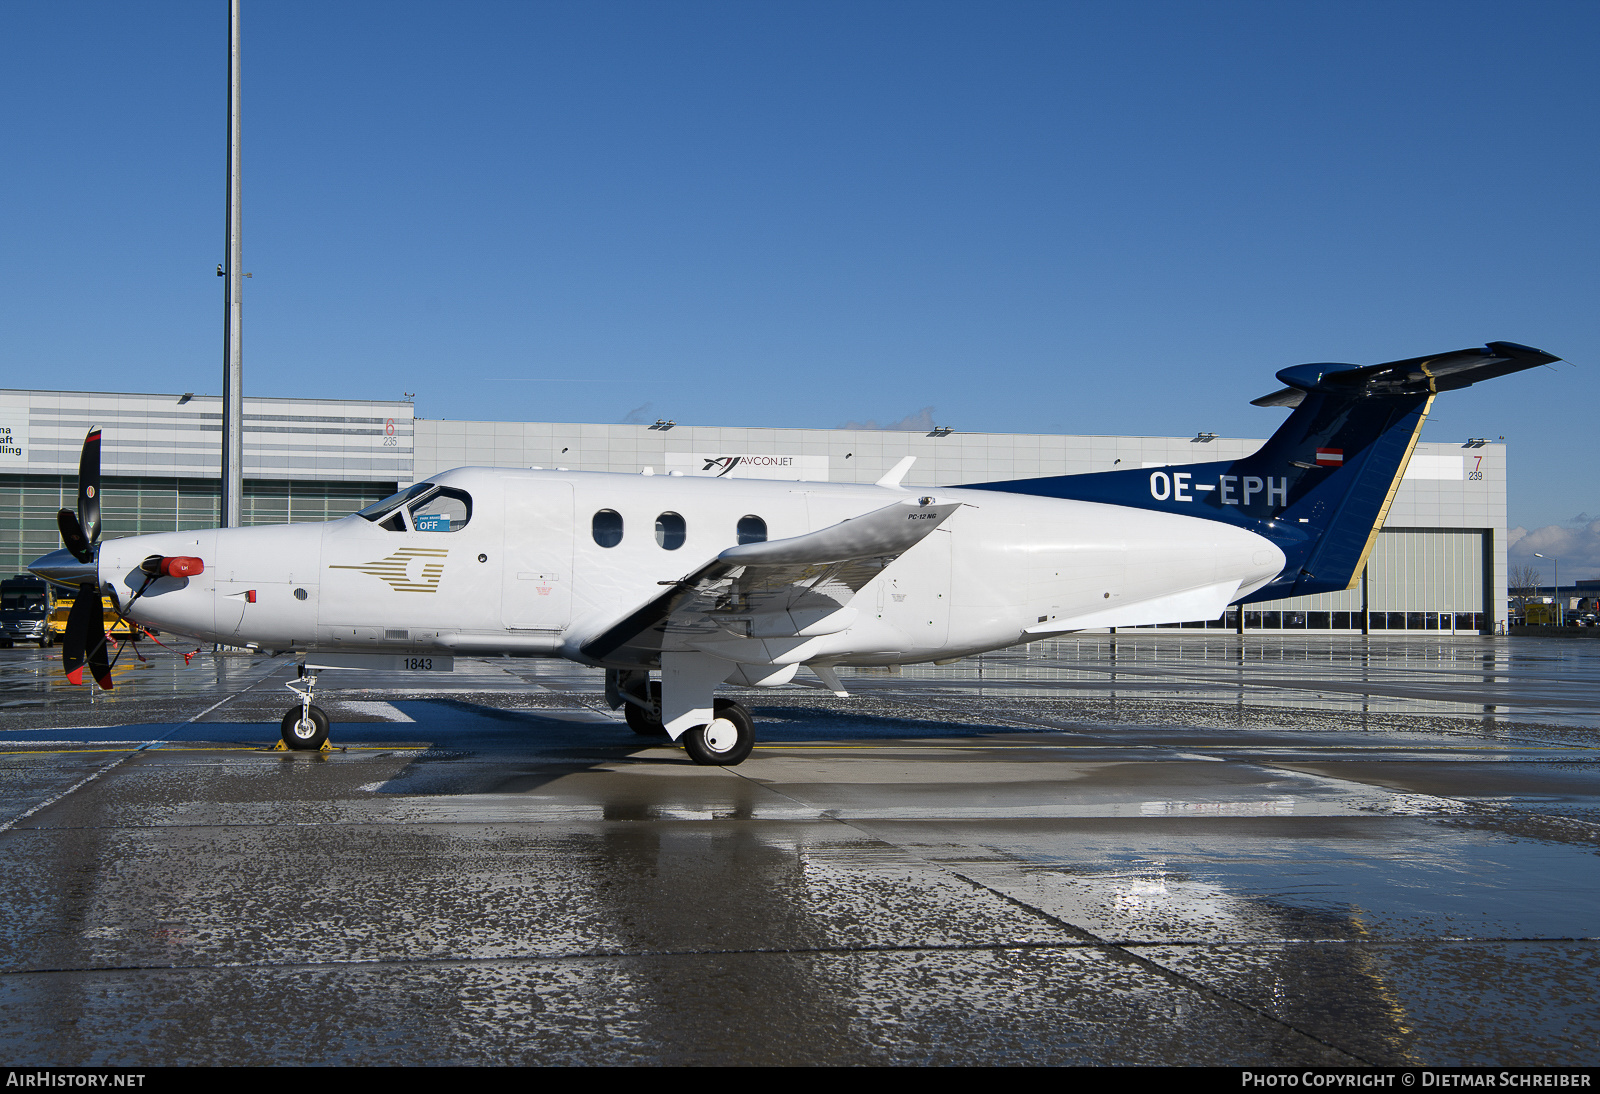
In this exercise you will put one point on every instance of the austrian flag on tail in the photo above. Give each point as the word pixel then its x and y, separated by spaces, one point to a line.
pixel 1330 457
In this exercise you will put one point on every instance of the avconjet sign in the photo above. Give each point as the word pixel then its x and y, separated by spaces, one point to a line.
pixel 749 465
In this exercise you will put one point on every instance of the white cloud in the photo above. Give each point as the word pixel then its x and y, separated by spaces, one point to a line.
pixel 1575 546
pixel 920 421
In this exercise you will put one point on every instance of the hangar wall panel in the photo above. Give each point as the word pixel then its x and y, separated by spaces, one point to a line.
pixel 137 506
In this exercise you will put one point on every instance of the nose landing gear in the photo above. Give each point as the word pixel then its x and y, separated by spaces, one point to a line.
pixel 305 727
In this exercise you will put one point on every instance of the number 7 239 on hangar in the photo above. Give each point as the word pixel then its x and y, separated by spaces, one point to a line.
pixel 678 585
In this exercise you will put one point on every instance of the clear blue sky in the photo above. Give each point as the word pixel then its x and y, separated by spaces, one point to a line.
pixel 1051 217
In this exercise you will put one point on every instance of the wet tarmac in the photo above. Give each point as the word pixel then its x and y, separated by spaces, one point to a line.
pixel 1149 849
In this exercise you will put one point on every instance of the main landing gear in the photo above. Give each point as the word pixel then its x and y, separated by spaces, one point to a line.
pixel 305 727
pixel 644 716
pixel 724 742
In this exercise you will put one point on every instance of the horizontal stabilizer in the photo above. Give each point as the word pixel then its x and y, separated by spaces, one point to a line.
pixel 1416 376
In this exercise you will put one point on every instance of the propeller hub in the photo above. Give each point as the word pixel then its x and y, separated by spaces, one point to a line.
pixel 63 568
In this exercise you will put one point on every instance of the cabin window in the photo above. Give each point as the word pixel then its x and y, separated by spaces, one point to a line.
pixel 607 527
pixel 752 529
pixel 670 530
pixel 443 510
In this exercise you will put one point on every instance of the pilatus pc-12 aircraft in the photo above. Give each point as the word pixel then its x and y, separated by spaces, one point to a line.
pixel 676 585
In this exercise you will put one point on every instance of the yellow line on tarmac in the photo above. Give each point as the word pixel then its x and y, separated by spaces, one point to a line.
pixel 65 751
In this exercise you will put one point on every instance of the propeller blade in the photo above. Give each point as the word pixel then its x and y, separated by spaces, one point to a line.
pixel 99 656
pixel 85 639
pixel 89 487
pixel 72 536
pixel 85 617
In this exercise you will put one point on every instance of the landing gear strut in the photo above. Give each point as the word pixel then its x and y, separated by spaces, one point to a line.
pixel 640 700
pixel 646 721
pixel 305 727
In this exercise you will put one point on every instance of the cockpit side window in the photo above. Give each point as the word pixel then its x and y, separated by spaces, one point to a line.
pixel 425 507
pixel 380 509
pixel 444 510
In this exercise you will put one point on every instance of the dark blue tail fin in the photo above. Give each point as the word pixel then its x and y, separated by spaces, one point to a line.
pixel 1321 487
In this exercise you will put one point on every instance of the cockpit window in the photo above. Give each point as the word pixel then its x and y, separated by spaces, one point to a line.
pixel 425 507
pixel 446 510
pixel 379 509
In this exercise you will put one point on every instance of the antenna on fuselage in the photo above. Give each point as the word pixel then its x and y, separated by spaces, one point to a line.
pixel 897 472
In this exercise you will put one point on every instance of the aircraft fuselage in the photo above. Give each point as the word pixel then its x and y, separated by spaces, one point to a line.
pixel 516 562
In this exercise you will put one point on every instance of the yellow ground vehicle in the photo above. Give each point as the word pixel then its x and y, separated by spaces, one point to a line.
pixel 1540 615
pixel 115 625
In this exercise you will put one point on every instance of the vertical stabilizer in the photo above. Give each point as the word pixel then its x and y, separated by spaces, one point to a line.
pixel 1322 485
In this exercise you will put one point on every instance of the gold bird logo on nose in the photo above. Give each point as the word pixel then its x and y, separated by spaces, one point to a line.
pixel 396 569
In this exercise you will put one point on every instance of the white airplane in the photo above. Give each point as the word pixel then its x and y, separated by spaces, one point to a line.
pixel 744 581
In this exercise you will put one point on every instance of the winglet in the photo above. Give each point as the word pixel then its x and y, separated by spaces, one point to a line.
pixel 897 472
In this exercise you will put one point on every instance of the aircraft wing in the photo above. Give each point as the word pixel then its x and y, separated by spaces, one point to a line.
pixel 783 588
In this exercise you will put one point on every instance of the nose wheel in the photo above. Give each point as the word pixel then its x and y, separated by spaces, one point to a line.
pixel 305 730
pixel 726 741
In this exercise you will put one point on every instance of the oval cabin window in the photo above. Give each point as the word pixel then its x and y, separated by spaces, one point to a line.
pixel 670 531
pixel 607 527
pixel 752 529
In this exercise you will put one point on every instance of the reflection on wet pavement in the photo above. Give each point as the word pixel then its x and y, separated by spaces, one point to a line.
pixel 1543 680
pixel 1317 853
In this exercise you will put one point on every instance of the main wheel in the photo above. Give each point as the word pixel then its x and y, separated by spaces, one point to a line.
pixel 643 722
pixel 726 741
pixel 305 735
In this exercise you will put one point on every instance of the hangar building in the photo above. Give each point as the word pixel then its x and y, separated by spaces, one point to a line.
pixel 1439 564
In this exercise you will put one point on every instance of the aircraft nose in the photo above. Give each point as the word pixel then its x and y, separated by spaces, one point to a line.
pixel 60 566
